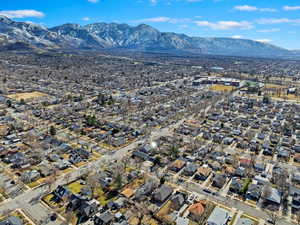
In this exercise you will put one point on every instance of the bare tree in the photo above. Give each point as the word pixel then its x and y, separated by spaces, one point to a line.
pixel 273 217
pixel 298 217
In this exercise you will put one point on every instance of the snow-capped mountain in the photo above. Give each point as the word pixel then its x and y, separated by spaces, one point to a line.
pixel 142 37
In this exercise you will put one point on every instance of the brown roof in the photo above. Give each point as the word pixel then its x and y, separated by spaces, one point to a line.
pixel 178 164
pixel 230 169
pixel 134 221
pixel 4 130
pixel 127 192
pixel 197 208
pixel 205 171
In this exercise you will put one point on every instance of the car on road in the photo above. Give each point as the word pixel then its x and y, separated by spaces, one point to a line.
pixel 207 191
pixel 269 221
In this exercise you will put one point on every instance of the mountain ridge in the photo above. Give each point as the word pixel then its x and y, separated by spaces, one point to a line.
pixel 143 37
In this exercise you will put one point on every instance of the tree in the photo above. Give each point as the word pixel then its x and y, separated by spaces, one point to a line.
pixel 118 182
pixel 50 181
pixel 22 101
pixel 273 217
pixel 52 131
pixel 174 152
pixel 298 218
pixel 92 181
pixel 8 102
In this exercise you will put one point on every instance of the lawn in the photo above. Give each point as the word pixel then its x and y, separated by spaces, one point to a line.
pixel 75 187
pixel 233 219
pixel 34 184
pixel 164 212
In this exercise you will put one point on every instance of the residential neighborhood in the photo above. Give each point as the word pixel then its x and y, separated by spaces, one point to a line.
pixel 134 142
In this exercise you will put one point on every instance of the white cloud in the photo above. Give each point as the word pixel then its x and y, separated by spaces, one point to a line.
pixel 264 40
pixel 291 8
pixel 237 36
pixel 225 25
pixel 21 13
pixel 86 18
pixel 161 19
pixel 93 1
pixel 153 2
pixel 245 8
pixel 249 8
pixel 269 30
pixel 277 21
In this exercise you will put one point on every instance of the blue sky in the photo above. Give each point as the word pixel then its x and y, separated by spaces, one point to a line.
pixel 273 21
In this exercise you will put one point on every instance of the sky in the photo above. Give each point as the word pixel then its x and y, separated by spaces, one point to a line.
pixel 274 21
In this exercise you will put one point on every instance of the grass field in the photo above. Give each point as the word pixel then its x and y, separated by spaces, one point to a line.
pixel 275 86
pixel 220 87
pixel 27 96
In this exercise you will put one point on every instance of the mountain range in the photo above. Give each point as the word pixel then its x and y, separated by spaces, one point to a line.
pixel 97 36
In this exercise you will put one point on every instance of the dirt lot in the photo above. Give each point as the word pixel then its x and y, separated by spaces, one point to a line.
pixel 27 96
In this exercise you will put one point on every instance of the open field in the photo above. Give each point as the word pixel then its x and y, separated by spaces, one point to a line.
pixel 221 88
pixel 27 95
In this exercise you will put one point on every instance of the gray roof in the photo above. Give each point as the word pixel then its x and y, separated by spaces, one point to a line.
pixel 218 217
pixel 182 221
pixel 163 193
pixel 12 220
pixel 244 221
pixel 274 196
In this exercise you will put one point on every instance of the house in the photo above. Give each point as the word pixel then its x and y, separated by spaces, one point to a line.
pixel 87 209
pixel 240 172
pixel 12 220
pixel 245 162
pixel 146 189
pixel 229 171
pixel 219 181
pixel 229 159
pixel 236 186
pixel 61 192
pixel 177 165
pixel 62 164
pixel 141 155
pixel 74 202
pixel 259 167
pixel 182 221
pixel 216 166
pixel 296 177
pixel 219 216
pixel 272 199
pixel 177 201
pixel 75 158
pixel 254 192
pixel 196 210
pixel 30 176
pixel 297 158
pixel 162 193
pixel 228 140
pixel 294 194
pixel 283 153
pixel 203 173
pixel 190 169
pixel 104 218
pixel 45 170
pixel 118 141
